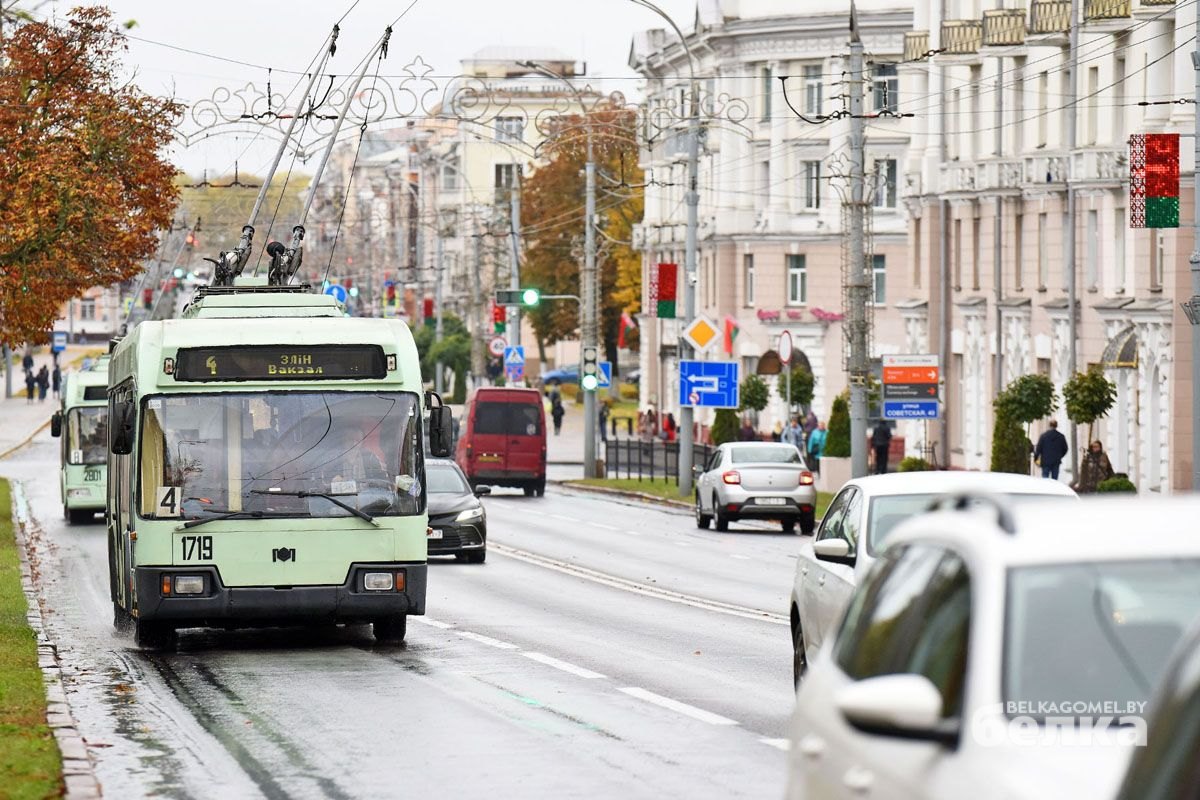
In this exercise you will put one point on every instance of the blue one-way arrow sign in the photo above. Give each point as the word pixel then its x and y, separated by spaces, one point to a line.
pixel 708 384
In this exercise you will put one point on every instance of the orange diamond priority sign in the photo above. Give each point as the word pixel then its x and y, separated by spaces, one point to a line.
pixel 701 333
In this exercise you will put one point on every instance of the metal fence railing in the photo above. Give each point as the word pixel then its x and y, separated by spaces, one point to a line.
pixel 648 459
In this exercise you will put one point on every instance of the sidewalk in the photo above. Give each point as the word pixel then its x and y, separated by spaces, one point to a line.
pixel 567 446
pixel 20 420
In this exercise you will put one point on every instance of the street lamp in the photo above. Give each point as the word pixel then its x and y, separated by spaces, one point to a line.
pixel 689 264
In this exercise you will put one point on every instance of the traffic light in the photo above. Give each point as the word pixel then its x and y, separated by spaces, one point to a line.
pixel 518 297
pixel 190 241
pixel 427 309
pixel 179 273
pixel 590 373
pixel 390 293
pixel 530 297
pixel 499 318
pixel 147 298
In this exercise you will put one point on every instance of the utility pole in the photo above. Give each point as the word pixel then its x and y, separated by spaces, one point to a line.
pixel 514 238
pixel 1194 262
pixel 590 339
pixel 1069 232
pixel 997 230
pixel 437 310
pixel 858 280
pixel 477 368
pixel 686 413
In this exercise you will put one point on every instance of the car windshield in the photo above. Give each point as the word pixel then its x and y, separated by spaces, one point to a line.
pixel 87 435
pixel 887 511
pixel 766 454
pixel 444 479
pixel 206 454
pixel 1118 621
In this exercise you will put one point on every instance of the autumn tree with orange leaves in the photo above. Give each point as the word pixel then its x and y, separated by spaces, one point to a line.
pixel 552 210
pixel 85 185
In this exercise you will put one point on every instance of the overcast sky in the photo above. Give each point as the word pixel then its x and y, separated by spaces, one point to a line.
pixel 285 35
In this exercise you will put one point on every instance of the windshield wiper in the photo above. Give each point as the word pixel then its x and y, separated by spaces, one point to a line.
pixel 333 498
pixel 191 523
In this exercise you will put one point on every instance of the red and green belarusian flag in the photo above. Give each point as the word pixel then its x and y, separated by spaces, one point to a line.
pixel 732 329
pixel 661 300
pixel 1154 180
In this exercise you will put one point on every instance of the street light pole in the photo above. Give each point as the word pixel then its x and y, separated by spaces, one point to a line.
pixel 1194 262
pixel 514 237
pixel 857 280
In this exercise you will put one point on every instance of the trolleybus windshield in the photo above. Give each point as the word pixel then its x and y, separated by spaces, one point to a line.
pixel 261 453
pixel 87 435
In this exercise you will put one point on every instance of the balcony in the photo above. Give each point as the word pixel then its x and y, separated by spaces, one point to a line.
pixel 1158 2
pixel 1049 16
pixel 1107 9
pixel 961 37
pixel 916 45
pixel 1004 27
pixel 1000 174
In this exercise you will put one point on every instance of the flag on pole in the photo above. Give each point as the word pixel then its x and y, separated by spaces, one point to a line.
pixel 731 332
pixel 1154 180
pixel 661 297
pixel 626 322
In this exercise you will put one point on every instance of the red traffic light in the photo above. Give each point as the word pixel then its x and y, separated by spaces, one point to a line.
pixel 428 307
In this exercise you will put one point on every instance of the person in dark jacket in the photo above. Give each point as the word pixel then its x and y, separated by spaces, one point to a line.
pixel 43 382
pixel 56 379
pixel 1050 451
pixel 30 385
pixel 557 411
pixel 1094 469
pixel 881 441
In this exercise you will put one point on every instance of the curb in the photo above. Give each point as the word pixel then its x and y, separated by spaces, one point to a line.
pixel 27 440
pixel 642 496
pixel 79 776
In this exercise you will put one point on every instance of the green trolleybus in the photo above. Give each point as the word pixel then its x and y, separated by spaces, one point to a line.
pixel 266 467
pixel 81 424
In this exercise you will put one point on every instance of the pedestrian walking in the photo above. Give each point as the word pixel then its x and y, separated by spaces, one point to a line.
pixel 793 434
pixel 30 385
pixel 810 423
pixel 27 361
pixel 747 433
pixel 1050 451
pixel 1094 470
pixel 43 383
pixel 777 432
pixel 603 412
pixel 816 447
pixel 557 411
pixel 56 379
pixel 881 441
pixel 670 427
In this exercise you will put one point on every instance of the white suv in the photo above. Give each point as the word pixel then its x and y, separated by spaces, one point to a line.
pixel 853 530
pixel 997 652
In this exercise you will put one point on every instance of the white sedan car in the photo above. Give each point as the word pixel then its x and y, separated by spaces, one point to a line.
pixel 854 528
pixel 1000 652
pixel 756 480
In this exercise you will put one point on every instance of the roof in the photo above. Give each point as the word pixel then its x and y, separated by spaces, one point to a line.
pixel 508 53
pixel 942 482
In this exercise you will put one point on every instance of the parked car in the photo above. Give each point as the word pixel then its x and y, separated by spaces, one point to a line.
pixel 503 442
pixel 457 519
pixel 567 374
pixel 979 632
pixel 854 529
pixel 756 480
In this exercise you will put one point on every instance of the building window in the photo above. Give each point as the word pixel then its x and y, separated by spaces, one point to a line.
pixel 952 126
pixel 1043 255
pixel 1019 252
pixel 1119 101
pixel 976 251
pixel 1119 266
pixel 1092 256
pixel 1043 110
pixel 748 277
pixel 87 308
pixel 762 192
pixel 812 184
pixel 506 176
pixel 509 129
pixel 958 259
pixel 767 88
pixel 886 88
pixel 917 255
pixel 1093 105
pixel 797 280
pixel 1018 130
pixel 879 279
pixel 450 176
pixel 1157 255
pixel 813 90
pixel 885 183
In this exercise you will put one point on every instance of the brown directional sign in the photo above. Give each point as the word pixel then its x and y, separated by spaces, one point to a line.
pixel 910 391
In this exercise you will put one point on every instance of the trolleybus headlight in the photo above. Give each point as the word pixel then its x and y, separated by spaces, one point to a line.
pixel 378 581
pixel 470 515
pixel 189 584
pixel 79 492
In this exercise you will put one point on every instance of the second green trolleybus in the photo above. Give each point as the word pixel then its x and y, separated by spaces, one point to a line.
pixel 81 425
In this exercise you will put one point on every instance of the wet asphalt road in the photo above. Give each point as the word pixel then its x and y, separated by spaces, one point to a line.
pixel 606 649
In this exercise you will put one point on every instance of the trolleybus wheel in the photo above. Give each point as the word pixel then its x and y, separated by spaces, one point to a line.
pixel 121 618
pixel 390 629
pixel 152 635
pixel 80 516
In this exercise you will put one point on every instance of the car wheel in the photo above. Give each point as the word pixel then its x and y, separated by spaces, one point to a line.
pixel 152 635
pixel 808 522
pixel 540 489
pixel 529 490
pixel 788 525
pixel 718 515
pixel 473 556
pixel 799 657
pixel 702 519
pixel 390 629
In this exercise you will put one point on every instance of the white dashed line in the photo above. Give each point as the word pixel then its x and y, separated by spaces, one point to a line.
pixel 634 533
pixel 682 544
pixel 739 556
pixel 602 526
pixel 778 744
pixel 678 707
pixel 433 623
pixel 564 519
pixel 475 637
pixel 550 661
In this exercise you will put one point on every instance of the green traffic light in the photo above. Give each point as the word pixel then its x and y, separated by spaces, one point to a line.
pixel 179 272
pixel 354 291
pixel 590 383
pixel 531 297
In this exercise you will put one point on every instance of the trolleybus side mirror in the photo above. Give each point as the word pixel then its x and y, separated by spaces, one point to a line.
pixel 122 431
pixel 440 433
pixel 56 425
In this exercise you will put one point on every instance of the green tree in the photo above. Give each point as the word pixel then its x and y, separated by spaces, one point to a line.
pixel 725 426
pixel 1027 399
pixel 837 441
pixel 454 351
pixel 754 394
pixel 1010 445
pixel 1089 396
pixel 803 385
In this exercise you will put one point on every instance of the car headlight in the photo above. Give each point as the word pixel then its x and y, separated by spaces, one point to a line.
pixel 470 515
pixel 378 581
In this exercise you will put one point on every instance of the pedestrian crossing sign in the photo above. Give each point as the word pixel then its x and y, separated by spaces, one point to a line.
pixel 514 356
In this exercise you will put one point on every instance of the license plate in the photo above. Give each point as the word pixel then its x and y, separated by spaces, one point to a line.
pixel 488 458
pixel 435 533
pixel 770 501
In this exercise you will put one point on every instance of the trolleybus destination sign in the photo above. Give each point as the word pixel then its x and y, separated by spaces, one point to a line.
pixel 280 363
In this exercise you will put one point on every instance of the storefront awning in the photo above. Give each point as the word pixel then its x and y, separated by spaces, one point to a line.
pixel 1121 352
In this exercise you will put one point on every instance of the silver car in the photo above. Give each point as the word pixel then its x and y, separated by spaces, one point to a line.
pixel 756 480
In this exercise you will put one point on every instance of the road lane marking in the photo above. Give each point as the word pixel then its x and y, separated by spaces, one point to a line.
pixel 682 544
pixel 634 533
pixel 433 623
pixel 476 637
pixel 550 661
pixel 739 556
pixel 563 518
pixel 602 526
pixel 778 744
pixel 678 707
pixel 624 584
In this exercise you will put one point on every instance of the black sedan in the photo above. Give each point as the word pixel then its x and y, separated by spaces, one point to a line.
pixel 456 517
